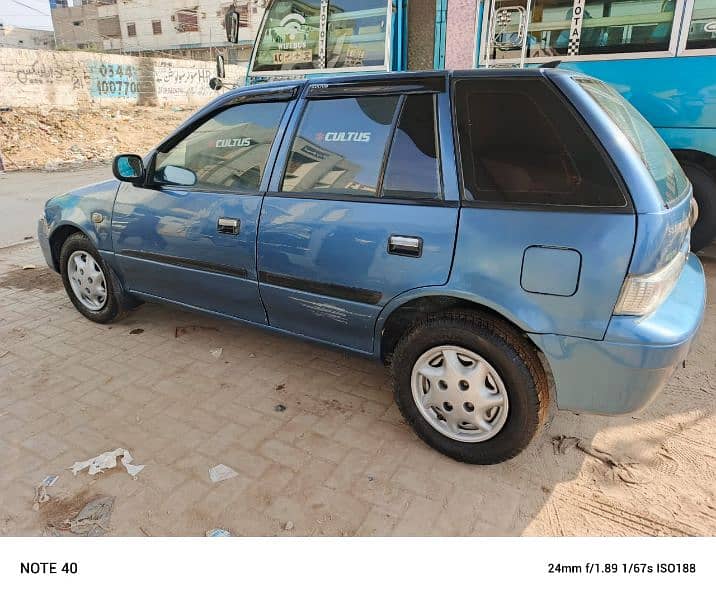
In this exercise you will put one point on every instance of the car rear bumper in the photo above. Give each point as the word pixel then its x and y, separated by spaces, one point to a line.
pixel 44 240
pixel 628 369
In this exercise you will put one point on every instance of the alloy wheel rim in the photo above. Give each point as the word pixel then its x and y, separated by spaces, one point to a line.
pixel 460 394
pixel 87 280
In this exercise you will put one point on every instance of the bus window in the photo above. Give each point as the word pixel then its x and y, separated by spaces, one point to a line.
pixel 356 33
pixel 290 37
pixel 702 29
pixel 620 26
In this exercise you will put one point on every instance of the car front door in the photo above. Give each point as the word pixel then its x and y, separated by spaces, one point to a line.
pixel 357 212
pixel 189 236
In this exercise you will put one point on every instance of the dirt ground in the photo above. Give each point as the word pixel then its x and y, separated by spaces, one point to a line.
pixel 58 139
pixel 318 446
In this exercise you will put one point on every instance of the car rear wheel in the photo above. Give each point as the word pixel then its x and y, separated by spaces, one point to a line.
pixel 704 184
pixel 470 386
pixel 89 282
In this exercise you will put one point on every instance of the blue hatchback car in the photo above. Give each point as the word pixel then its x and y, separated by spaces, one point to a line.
pixel 503 239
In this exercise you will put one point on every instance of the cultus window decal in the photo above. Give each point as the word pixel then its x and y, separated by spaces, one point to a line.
pixel 344 136
pixel 233 143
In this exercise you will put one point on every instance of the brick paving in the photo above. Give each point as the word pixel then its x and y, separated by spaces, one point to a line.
pixel 338 461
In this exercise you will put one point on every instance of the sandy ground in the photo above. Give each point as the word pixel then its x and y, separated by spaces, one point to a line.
pixel 338 461
pixel 58 139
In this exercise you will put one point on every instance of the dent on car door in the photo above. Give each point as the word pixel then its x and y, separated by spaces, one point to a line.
pixel 190 236
pixel 356 217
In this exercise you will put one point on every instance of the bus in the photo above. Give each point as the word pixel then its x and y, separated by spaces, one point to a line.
pixel 660 54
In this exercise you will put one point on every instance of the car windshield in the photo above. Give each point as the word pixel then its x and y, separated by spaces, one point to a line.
pixel 661 163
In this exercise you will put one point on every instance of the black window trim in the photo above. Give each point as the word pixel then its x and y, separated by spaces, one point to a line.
pixel 378 87
pixel 438 155
pixel 628 208
pixel 262 97
pixel 378 198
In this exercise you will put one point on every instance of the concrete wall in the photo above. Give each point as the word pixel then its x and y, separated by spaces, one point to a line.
pixel 39 78
pixel 461 34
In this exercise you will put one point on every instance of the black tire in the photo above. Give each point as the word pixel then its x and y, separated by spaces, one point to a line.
pixel 118 304
pixel 704 184
pixel 515 361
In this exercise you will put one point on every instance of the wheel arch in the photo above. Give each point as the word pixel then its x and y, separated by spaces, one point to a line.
pixel 401 312
pixel 59 236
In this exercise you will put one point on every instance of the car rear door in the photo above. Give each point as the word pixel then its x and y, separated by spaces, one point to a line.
pixel 359 209
pixel 195 242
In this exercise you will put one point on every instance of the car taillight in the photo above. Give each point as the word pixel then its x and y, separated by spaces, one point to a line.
pixel 642 294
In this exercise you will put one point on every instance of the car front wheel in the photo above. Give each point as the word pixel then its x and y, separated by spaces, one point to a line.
pixel 89 282
pixel 470 386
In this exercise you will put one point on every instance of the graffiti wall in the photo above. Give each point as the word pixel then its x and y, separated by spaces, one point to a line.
pixel 35 78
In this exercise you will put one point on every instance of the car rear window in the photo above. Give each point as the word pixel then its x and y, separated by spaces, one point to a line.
pixel 520 144
pixel 658 159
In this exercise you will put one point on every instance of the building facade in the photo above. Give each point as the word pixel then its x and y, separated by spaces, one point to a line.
pixel 176 27
pixel 21 37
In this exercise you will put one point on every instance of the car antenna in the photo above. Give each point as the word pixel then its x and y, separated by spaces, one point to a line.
pixel 551 65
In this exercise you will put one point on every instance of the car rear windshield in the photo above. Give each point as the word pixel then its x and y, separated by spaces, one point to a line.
pixel 661 163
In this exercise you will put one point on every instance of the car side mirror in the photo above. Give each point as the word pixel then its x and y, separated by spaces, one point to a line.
pixel 220 66
pixel 129 168
pixel 178 175
pixel 231 23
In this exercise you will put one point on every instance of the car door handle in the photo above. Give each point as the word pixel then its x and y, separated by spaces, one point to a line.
pixel 403 245
pixel 228 226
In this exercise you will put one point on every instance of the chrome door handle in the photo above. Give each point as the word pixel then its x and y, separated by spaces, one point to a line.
pixel 228 226
pixel 403 245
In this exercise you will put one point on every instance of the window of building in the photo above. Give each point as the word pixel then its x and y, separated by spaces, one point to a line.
pixel 413 167
pixel 702 29
pixel 340 145
pixel 228 152
pixel 619 26
pixel 109 27
pixel 356 33
pixel 157 27
pixel 187 19
pixel 132 29
pixel 77 23
pixel 520 144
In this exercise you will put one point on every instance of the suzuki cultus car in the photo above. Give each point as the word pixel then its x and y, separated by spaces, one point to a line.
pixel 503 239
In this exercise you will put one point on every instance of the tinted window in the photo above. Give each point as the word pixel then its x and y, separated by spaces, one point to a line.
pixel 230 150
pixel 702 29
pixel 661 163
pixel 340 145
pixel 290 37
pixel 520 143
pixel 413 169
pixel 597 27
pixel 356 33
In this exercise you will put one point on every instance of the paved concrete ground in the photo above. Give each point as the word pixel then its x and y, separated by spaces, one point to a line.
pixel 338 461
pixel 24 193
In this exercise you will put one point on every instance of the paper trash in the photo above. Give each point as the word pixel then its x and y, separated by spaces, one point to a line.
pixel 108 460
pixel 221 473
pixel 218 533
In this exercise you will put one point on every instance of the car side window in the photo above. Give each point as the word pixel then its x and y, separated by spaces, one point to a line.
pixel 339 146
pixel 413 167
pixel 227 152
pixel 520 143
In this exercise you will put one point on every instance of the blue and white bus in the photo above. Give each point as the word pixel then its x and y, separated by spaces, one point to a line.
pixel 660 54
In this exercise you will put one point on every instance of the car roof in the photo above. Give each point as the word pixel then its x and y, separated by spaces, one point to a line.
pixel 391 78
